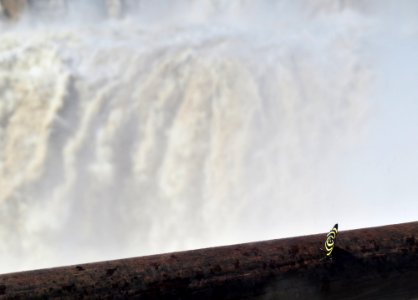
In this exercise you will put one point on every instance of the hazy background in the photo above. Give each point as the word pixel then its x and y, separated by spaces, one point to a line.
pixel 187 124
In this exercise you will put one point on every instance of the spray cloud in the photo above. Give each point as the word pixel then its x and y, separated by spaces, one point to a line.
pixel 174 128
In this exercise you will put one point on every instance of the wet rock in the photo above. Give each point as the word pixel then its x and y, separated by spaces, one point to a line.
pixel 13 9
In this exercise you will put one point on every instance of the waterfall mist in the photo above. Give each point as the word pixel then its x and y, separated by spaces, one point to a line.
pixel 182 125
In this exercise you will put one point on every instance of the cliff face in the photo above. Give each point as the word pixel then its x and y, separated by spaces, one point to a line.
pixel 13 9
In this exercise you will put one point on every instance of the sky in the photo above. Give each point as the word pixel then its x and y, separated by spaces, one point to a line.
pixel 381 171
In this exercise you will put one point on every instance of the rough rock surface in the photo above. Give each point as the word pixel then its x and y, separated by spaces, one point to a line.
pixel 369 263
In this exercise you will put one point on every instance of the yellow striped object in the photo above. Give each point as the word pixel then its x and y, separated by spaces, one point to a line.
pixel 330 242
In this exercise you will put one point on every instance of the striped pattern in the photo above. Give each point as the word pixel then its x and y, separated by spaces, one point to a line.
pixel 330 242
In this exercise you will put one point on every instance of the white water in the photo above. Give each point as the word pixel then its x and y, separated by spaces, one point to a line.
pixel 170 130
